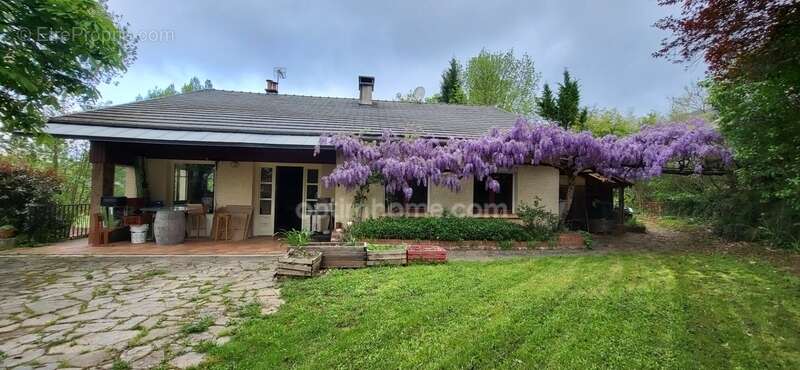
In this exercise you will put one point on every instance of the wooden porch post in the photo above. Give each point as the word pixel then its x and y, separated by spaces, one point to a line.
pixel 102 179
pixel 622 205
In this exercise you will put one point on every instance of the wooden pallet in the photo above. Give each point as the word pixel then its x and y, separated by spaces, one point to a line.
pixel 341 257
pixel 387 257
pixel 426 253
pixel 299 266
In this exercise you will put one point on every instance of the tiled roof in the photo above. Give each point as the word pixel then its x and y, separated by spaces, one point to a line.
pixel 254 113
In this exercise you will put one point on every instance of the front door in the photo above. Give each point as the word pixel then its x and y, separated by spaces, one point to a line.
pixel 288 197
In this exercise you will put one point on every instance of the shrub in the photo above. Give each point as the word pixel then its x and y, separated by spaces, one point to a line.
pixel 588 242
pixel 23 190
pixel 540 223
pixel 446 228
pixel 297 238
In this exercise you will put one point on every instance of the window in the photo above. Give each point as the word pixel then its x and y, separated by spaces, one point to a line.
pixel 396 202
pixel 265 192
pixel 486 201
pixel 194 184
pixel 312 189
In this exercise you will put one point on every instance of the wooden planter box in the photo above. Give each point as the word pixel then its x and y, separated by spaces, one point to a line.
pixel 299 265
pixel 341 257
pixel 387 257
pixel 426 253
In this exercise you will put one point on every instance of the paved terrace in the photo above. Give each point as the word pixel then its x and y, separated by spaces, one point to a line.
pixel 195 247
pixel 87 312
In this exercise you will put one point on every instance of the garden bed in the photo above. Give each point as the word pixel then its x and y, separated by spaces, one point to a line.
pixel 427 253
pixel 337 256
pixel 385 254
pixel 300 263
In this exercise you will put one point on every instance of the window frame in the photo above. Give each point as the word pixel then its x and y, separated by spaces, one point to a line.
pixel 175 191
pixel 484 208
pixel 307 184
pixel 406 209
pixel 271 183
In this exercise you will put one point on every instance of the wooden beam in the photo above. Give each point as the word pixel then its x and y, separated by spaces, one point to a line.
pixel 102 178
pixel 621 205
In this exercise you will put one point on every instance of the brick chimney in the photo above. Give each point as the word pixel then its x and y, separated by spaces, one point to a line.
pixel 272 87
pixel 365 86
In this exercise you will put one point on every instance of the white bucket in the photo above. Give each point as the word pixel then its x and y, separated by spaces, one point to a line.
pixel 138 234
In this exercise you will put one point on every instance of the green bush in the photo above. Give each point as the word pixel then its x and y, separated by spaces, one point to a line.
pixel 297 238
pixel 27 197
pixel 540 223
pixel 446 228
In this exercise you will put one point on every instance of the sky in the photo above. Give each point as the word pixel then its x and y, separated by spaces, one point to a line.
pixel 325 46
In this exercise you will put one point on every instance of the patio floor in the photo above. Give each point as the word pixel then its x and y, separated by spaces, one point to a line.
pixel 191 247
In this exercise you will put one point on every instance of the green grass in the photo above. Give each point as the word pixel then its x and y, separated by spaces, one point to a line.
pixel 198 326
pixel 120 365
pixel 383 247
pixel 630 311
pixel 680 223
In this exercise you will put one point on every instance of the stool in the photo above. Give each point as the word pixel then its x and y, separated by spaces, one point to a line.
pixel 196 214
pixel 222 221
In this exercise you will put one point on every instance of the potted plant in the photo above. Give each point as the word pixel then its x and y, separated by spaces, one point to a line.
pixel 7 232
pixel 386 254
pixel 299 261
pixel 8 235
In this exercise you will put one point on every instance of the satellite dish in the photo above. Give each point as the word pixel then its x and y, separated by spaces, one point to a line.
pixel 419 93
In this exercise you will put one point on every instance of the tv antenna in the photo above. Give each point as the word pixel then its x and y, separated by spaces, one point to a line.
pixel 419 94
pixel 280 73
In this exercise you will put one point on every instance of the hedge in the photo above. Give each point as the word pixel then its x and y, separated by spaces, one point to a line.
pixel 448 228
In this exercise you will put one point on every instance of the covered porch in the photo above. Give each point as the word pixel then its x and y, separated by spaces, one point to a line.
pixel 263 191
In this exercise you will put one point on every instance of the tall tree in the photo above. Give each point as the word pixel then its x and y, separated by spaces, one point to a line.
pixel 192 85
pixel 452 91
pixel 736 37
pixel 752 49
pixel 54 48
pixel 546 105
pixel 693 103
pixel 565 107
pixel 195 85
pixel 503 80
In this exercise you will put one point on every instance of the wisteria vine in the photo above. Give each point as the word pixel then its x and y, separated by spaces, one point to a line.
pixel 403 162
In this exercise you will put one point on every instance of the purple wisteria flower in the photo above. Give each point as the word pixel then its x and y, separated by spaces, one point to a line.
pixel 404 162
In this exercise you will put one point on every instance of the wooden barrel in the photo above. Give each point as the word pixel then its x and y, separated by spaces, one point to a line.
pixel 169 227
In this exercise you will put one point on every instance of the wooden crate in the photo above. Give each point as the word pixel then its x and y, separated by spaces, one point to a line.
pixel 387 257
pixel 299 266
pixel 426 253
pixel 341 257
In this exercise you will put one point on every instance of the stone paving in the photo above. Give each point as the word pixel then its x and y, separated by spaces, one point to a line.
pixel 143 312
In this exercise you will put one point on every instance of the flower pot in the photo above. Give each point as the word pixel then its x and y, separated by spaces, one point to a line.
pixel 8 243
pixel 7 232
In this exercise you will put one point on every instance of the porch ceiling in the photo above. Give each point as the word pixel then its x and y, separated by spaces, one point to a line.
pixel 159 136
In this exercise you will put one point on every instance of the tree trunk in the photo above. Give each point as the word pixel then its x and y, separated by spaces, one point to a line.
pixel 567 206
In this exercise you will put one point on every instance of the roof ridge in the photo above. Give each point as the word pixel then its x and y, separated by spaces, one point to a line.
pixel 377 100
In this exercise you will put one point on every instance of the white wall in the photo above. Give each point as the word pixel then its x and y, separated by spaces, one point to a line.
pixel 537 181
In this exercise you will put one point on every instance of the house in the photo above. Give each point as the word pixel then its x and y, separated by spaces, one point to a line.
pixel 223 148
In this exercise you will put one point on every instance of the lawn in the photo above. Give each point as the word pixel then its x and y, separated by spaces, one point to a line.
pixel 613 311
